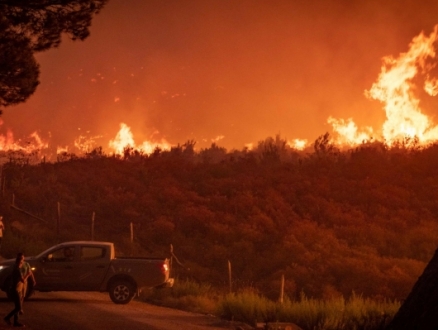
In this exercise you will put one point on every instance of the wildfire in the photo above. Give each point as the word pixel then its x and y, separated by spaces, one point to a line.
pixel 86 144
pixel 31 145
pixel 83 144
pixel 395 88
pixel 348 133
pixel 34 144
pixel 297 144
pixel 125 139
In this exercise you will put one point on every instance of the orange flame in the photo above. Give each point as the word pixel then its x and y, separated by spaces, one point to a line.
pixel 125 139
pixel 395 88
pixel 82 144
pixel 86 144
pixel 31 145
pixel 348 133
pixel 297 144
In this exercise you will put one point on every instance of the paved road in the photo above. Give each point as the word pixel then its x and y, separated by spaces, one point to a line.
pixel 92 311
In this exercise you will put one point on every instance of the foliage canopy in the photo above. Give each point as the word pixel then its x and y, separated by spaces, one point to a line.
pixel 362 220
pixel 30 26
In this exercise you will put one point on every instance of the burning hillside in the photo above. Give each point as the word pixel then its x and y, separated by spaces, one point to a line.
pixel 403 83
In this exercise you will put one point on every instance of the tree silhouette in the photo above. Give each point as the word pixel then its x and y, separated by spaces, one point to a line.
pixel 18 69
pixel 29 26
pixel 323 146
pixel 272 150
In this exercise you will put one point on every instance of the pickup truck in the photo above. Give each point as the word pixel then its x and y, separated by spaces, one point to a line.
pixel 91 266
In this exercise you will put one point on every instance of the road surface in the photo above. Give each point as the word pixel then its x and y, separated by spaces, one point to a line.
pixel 93 311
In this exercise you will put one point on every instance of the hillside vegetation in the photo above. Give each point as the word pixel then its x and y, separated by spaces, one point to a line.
pixel 333 222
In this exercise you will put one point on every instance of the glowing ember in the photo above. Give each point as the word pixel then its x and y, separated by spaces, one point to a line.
pixel 61 150
pixel 86 144
pixel 218 138
pixel 125 139
pixel 83 144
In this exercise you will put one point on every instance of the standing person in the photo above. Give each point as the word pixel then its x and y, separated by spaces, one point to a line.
pixel 2 227
pixel 16 290
pixel 27 274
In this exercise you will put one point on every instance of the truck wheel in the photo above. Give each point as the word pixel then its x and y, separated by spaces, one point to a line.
pixel 121 292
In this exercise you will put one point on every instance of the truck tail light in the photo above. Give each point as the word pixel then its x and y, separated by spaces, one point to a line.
pixel 164 268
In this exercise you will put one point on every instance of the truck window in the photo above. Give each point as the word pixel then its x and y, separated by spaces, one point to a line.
pixel 63 254
pixel 91 252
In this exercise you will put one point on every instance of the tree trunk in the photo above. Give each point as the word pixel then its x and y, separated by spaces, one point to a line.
pixel 420 309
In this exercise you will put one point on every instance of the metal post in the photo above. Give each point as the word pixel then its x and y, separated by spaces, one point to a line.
pixel 92 226
pixel 171 261
pixel 58 220
pixel 229 276
pixel 282 289
pixel 1 180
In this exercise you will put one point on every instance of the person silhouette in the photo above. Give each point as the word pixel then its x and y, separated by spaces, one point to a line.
pixel 18 281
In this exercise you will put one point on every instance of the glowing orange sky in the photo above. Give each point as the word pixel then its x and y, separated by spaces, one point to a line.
pixel 242 70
